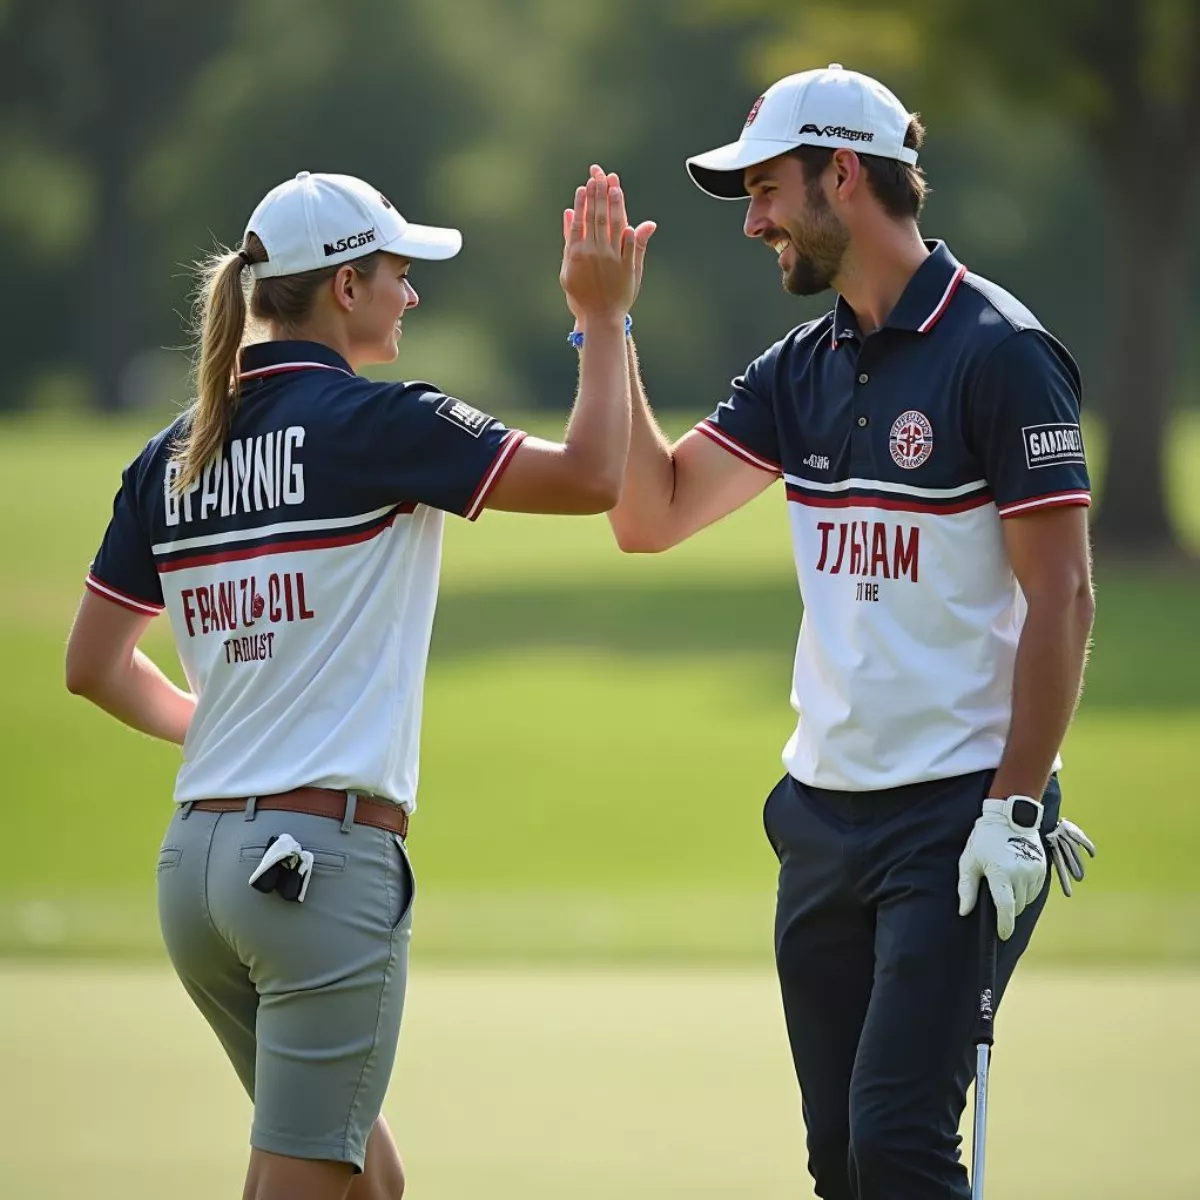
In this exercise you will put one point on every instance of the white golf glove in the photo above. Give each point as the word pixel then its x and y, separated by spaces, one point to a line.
pixel 1065 840
pixel 1006 848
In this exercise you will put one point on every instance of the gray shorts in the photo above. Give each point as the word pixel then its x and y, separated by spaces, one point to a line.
pixel 305 997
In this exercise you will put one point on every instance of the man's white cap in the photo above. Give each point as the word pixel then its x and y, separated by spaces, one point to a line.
pixel 826 107
pixel 322 220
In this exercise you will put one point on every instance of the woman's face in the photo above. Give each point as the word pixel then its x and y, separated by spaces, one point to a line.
pixel 374 322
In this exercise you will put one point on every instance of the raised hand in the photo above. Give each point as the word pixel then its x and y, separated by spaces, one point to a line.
pixel 597 239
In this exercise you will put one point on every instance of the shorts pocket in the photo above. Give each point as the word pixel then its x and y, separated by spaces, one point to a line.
pixel 326 860
pixel 168 857
pixel 403 889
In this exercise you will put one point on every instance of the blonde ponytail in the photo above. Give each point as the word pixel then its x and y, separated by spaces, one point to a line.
pixel 222 326
pixel 283 302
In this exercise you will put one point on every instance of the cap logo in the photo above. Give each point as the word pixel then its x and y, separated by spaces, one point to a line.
pixel 385 201
pixel 754 111
pixel 354 242
pixel 851 135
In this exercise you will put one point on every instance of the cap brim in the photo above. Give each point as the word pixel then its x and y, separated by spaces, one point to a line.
pixel 719 172
pixel 430 243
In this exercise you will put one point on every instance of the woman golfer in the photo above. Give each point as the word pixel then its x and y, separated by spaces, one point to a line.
pixel 290 524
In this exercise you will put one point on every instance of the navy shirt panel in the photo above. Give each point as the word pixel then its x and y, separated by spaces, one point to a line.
pixel 934 399
pixel 311 444
pixel 411 442
pixel 748 416
pixel 124 562
pixel 1023 420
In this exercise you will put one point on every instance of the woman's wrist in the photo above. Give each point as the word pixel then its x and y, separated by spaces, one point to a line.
pixel 599 321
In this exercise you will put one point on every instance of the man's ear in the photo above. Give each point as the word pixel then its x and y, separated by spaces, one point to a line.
pixel 847 173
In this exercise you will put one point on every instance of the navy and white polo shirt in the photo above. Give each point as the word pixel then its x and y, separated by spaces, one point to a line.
pixel 300 574
pixel 902 452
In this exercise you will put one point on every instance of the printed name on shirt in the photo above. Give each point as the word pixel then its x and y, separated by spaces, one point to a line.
pixel 818 462
pixel 253 474
pixel 873 549
pixel 228 604
pixel 464 416
pixel 1052 445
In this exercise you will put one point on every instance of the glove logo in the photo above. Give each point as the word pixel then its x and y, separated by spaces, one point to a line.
pixel 1023 848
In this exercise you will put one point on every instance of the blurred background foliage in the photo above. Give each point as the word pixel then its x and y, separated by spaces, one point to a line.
pixel 599 729
pixel 137 134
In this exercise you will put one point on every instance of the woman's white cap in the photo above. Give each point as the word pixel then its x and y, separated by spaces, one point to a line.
pixel 321 220
pixel 826 107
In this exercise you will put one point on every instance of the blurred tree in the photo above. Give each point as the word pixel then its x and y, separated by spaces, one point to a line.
pixel 91 86
pixel 1125 75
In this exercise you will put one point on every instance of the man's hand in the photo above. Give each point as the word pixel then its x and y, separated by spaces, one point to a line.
pixel 1065 840
pixel 1012 860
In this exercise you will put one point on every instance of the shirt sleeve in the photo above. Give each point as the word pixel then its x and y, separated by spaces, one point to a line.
pixel 745 423
pixel 1024 425
pixel 411 443
pixel 123 570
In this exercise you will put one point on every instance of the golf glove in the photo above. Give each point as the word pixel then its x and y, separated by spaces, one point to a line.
pixel 1066 840
pixel 1009 856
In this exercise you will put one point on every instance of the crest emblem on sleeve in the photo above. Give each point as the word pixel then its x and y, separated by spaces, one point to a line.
pixel 911 439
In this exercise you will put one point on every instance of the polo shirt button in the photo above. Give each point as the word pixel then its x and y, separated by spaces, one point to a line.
pixel 862 422
pixel 863 378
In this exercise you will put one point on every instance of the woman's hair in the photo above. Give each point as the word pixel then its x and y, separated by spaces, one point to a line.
pixel 222 300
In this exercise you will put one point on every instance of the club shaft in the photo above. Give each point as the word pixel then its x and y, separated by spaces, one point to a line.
pixel 983 1057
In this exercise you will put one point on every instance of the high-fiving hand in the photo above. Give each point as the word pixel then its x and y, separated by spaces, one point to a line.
pixel 603 255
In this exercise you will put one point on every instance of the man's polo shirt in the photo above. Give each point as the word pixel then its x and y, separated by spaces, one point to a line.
pixel 300 573
pixel 902 452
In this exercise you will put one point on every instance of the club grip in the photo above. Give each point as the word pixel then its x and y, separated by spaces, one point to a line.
pixel 985 1012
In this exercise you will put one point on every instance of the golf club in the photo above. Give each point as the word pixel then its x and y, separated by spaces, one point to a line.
pixel 984 1035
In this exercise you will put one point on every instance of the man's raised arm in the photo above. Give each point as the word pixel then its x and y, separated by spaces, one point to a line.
pixel 671 492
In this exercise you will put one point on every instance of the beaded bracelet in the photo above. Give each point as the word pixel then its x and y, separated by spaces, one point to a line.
pixel 575 337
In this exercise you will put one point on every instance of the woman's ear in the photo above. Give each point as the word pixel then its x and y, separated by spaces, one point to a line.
pixel 345 287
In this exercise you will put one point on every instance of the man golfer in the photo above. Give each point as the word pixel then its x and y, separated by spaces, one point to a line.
pixel 927 432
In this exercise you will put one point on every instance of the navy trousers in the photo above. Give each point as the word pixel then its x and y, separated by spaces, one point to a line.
pixel 879 976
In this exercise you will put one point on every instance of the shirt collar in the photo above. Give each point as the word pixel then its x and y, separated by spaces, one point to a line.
pixel 922 302
pixel 276 358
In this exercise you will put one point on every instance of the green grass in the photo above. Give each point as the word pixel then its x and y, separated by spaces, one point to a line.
pixel 585 1083
pixel 600 733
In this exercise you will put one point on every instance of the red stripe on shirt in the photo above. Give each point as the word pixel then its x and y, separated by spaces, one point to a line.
pixel 262 549
pixel 1050 500
pixel 935 316
pixel 508 447
pixel 146 608
pixel 716 434
pixel 891 504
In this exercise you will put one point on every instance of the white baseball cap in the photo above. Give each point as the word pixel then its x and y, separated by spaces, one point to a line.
pixel 322 220
pixel 826 107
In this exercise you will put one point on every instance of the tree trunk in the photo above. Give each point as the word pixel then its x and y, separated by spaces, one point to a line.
pixel 113 270
pixel 1145 306
pixel 114 301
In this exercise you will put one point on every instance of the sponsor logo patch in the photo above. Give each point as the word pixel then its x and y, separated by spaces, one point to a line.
pixel 818 462
pixel 839 131
pixel 754 112
pixel 911 439
pixel 353 242
pixel 1052 445
pixel 459 413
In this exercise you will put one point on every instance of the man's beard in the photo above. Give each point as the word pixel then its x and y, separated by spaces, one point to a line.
pixel 819 257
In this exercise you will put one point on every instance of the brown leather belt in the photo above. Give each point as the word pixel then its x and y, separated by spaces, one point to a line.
pixel 320 802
